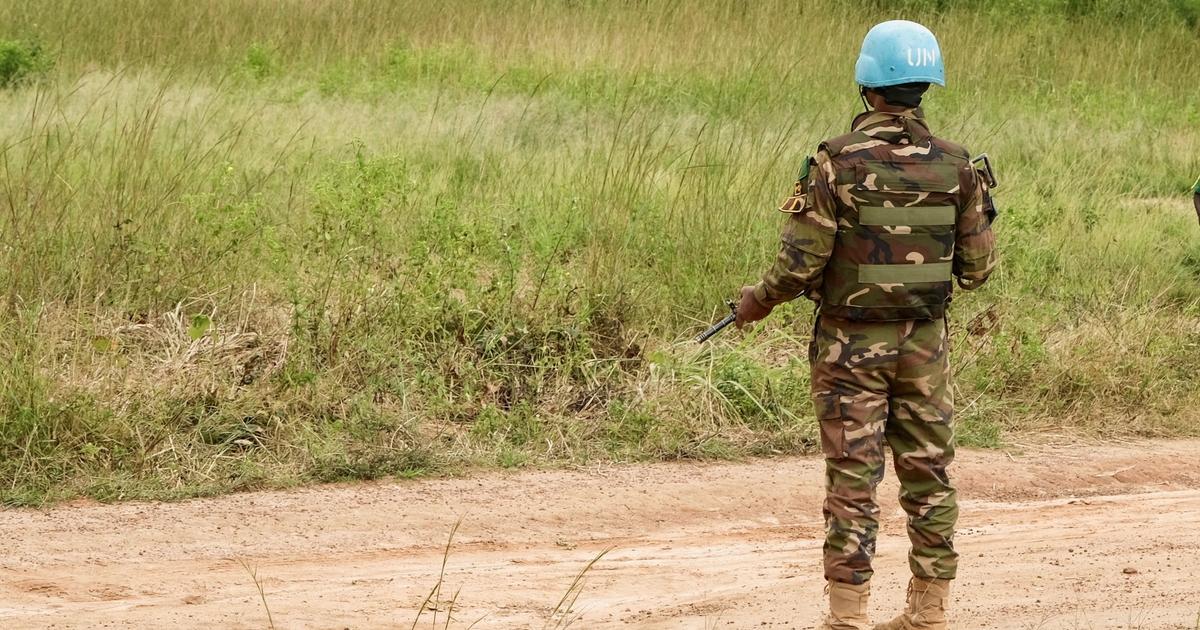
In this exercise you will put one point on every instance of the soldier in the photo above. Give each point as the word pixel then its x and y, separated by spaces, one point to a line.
pixel 880 223
pixel 1196 197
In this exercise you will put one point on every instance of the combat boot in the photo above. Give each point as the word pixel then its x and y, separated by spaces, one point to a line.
pixel 926 609
pixel 847 607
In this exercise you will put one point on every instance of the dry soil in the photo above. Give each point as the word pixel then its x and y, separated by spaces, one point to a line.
pixel 1068 536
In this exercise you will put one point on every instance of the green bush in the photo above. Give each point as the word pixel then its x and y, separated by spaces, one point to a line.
pixel 260 62
pixel 21 61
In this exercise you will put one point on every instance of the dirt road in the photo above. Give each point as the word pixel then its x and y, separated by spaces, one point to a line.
pixel 1066 537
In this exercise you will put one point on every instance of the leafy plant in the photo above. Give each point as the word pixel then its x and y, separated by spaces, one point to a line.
pixel 21 61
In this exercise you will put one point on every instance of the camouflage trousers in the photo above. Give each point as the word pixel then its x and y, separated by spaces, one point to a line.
pixel 875 382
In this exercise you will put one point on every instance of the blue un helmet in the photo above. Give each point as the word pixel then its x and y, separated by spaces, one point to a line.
pixel 899 52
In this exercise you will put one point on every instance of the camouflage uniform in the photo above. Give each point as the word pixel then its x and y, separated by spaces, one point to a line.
pixel 880 221
pixel 1196 197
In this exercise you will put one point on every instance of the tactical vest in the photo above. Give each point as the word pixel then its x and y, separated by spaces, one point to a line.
pixel 898 195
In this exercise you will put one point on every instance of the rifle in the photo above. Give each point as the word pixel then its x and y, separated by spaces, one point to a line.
pixel 719 326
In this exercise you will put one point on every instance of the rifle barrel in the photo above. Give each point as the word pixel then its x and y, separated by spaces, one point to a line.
pixel 716 328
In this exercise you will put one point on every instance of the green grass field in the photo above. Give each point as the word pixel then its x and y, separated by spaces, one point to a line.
pixel 251 243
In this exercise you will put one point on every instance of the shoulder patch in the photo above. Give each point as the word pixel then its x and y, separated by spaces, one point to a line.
pixel 808 162
pixel 799 199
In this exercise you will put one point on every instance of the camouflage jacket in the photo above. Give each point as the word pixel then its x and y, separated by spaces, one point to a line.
pixel 879 223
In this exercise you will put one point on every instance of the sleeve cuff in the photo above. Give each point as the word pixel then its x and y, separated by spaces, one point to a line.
pixel 764 297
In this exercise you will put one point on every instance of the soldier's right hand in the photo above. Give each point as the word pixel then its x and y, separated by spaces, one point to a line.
pixel 749 309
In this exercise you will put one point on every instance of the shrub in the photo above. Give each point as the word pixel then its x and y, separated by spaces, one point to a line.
pixel 20 61
pixel 259 62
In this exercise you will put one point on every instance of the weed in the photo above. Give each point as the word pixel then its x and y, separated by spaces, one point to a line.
pixel 262 593
pixel 433 602
pixel 564 615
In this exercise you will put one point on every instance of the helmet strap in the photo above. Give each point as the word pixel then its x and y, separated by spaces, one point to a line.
pixel 862 93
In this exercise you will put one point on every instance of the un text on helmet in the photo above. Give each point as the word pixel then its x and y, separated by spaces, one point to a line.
pixel 919 57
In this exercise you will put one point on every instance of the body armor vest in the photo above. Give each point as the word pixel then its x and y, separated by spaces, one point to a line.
pixel 898 192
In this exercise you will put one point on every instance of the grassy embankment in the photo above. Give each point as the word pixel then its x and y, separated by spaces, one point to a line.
pixel 252 243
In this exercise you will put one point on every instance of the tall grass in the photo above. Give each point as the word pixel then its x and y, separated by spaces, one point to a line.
pixel 251 243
